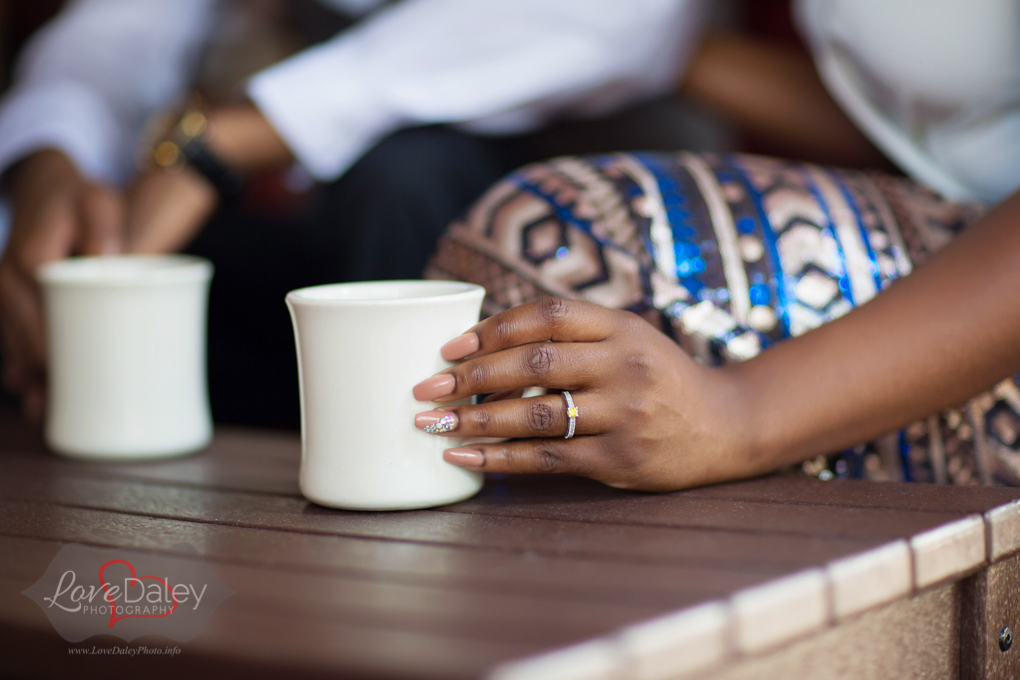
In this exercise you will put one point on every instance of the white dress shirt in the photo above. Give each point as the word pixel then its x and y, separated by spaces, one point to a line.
pixel 935 84
pixel 90 78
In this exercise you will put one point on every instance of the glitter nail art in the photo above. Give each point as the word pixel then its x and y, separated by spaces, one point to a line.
pixel 444 424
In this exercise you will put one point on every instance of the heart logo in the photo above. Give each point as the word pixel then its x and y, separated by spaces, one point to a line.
pixel 113 609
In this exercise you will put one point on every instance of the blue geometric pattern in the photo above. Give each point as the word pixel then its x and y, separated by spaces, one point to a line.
pixel 731 254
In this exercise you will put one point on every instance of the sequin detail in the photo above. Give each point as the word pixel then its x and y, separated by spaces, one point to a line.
pixel 731 254
pixel 444 424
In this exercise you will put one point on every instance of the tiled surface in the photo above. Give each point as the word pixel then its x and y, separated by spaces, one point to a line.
pixel 596 660
pixel 759 620
pixel 948 551
pixel 682 643
pixel 1003 531
pixel 870 579
pixel 777 612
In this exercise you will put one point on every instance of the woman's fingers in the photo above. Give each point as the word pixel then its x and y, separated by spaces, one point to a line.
pixel 21 308
pixel 500 396
pixel 550 318
pixel 545 456
pixel 560 365
pixel 544 416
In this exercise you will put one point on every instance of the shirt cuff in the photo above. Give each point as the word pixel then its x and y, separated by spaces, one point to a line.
pixel 66 116
pixel 327 128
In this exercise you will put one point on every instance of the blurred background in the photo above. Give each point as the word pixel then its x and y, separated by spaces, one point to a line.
pixel 253 34
pixel 257 33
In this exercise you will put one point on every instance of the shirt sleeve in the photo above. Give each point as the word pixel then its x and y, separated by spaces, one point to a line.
pixel 494 66
pixel 89 79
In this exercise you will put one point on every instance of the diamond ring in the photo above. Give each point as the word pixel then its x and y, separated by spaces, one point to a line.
pixel 571 415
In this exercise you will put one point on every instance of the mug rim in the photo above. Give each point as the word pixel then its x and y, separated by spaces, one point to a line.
pixel 80 272
pixel 300 296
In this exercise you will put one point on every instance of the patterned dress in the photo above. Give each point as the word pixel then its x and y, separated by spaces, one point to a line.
pixel 730 254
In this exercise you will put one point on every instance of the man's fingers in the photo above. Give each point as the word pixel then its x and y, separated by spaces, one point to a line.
pixel 551 318
pixel 544 416
pixel 21 375
pixel 101 213
pixel 22 313
pixel 560 456
pixel 166 210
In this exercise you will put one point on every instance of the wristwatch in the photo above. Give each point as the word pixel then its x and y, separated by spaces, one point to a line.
pixel 185 146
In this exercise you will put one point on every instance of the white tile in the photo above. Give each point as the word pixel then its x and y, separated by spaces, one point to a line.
pixel 771 614
pixel 949 550
pixel 1003 530
pixel 596 660
pixel 871 578
pixel 677 645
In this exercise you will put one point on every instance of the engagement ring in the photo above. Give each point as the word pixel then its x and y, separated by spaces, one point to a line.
pixel 571 415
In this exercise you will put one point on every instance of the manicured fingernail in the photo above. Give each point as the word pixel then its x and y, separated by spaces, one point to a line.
pixel 435 422
pixel 460 347
pixel 435 387
pixel 465 457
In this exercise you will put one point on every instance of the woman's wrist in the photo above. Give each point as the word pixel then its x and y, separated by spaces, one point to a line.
pixel 727 422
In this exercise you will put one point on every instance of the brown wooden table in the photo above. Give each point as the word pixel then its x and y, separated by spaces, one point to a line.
pixel 536 577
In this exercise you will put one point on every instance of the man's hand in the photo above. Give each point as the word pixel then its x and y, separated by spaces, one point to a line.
pixel 167 208
pixel 56 214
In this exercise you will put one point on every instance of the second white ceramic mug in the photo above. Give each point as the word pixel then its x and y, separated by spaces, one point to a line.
pixel 361 349
pixel 127 348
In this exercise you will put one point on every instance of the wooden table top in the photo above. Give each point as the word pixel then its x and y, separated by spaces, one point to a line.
pixel 531 564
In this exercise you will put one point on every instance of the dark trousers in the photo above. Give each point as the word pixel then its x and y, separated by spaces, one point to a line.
pixel 380 221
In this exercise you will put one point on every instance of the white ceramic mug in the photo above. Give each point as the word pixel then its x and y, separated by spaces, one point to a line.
pixel 127 356
pixel 361 349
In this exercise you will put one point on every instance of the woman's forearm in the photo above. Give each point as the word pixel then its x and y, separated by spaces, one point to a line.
pixel 932 340
pixel 774 92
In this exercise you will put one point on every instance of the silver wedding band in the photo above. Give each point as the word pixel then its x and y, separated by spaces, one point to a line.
pixel 571 415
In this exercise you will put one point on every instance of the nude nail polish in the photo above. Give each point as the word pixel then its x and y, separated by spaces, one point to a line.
pixel 460 347
pixel 465 457
pixel 435 387
pixel 436 422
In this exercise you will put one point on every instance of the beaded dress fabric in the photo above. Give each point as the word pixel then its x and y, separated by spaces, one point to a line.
pixel 730 254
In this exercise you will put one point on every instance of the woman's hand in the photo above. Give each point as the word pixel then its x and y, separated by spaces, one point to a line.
pixel 649 417
pixel 57 213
